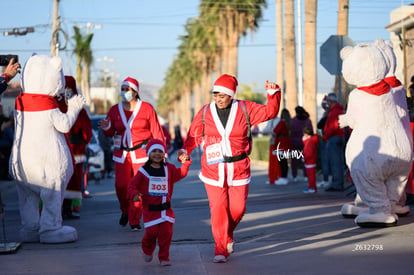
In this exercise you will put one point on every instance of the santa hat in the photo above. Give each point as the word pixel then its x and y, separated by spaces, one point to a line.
pixel 71 84
pixel 324 102
pixel 154 144
pixel 131 82
pixel 226 84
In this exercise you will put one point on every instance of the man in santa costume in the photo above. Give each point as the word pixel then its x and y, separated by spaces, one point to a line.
pixel 131 123
pixel 222 126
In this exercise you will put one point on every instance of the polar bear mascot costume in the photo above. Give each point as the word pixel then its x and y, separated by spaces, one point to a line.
pixel 379 151
pixel 41 161
pixel 351 210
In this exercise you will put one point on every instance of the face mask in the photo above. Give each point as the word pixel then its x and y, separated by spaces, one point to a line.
pixel 126 96
pixel 68 95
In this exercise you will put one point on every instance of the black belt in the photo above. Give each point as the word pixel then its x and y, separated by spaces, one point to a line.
pixel 129 149
pixel 235 158
pixel 159 207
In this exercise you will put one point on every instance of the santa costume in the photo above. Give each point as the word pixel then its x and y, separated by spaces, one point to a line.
pixel 130 131
pixel 225 165
pixel 78 138
pixel 310 156
pixel 155 187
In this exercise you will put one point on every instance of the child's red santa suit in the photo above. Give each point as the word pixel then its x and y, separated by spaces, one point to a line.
pixel 156 191
pixel 310 155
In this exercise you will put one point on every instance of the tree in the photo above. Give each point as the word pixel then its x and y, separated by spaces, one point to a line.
pixel 84 56
pixel 246 93
pixel 290 57
pixel 310 80
pixel 232 18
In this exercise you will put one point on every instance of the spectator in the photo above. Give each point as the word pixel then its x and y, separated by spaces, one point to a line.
pixel 322 145
pixel 279 145
pixel 310 156
pixel 334 136
pixel 297 124
pixel 6 142
pixel 11 70
pixel 106 144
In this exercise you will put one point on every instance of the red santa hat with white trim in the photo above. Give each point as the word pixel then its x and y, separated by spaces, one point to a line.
pixel 131 82
pixel 226 84
pixel 155 144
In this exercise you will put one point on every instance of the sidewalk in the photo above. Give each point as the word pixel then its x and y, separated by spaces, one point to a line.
pixel 283 232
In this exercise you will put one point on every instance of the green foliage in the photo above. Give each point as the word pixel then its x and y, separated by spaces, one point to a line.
pixel 260 149
pixel 246 93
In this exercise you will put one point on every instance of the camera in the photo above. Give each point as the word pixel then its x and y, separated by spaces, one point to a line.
pixel 5 59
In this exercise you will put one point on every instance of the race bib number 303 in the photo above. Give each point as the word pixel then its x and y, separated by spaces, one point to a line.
pixel 214 154
pixel 158 187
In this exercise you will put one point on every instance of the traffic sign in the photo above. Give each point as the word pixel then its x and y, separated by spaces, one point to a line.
pixel 330 50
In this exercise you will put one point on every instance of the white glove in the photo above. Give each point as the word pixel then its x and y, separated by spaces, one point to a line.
pixel 342 121
pixel 76 103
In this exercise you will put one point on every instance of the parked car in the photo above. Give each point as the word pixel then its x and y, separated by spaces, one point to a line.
pixel 96 158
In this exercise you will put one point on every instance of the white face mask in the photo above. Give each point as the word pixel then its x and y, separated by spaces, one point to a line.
pixel 68 95
pixel 126 96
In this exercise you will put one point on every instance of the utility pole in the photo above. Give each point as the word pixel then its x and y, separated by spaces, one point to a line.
pixel 54 46
pixel 105 60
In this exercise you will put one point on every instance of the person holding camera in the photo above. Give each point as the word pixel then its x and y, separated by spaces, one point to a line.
pixel 11 70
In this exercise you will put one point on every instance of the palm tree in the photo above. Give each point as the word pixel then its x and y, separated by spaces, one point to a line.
pixel 310 80
pixel 84 56
pixel 290 57
pixel 342 29
pixel 232 19
pixel 280 74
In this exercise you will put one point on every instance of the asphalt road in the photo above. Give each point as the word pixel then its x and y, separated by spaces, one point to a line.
pixel 283 232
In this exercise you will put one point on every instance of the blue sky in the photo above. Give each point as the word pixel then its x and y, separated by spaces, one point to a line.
pixel 142 36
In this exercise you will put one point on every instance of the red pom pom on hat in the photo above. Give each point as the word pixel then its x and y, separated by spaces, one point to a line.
pixel 131 82
pixel 226 84
pixel 155 144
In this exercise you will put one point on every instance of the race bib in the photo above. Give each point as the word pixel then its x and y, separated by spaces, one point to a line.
pixel 158 187
pixel 117 141
pixel 214 154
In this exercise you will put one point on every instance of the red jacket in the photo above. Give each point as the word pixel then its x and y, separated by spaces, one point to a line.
pixel 310 151
pixel 140 184
pixel 282 140
pixel 332 126
pixel 131 129
pixel 231 141
pixel 80 135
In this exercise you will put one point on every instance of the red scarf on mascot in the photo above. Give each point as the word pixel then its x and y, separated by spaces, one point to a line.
pixel 34 103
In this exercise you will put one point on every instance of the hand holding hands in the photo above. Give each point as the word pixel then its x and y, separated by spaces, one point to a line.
pixel 137 197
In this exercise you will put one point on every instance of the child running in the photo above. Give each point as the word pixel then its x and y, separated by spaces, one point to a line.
pixel 310 154
pixel 153 185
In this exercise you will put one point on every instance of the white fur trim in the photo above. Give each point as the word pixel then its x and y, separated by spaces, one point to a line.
pixel 130 84
pixel 273 91
pixel 156 146
pixel 224 90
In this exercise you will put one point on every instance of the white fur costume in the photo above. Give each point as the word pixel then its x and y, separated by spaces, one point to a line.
pixel 41 162
pixel 379 151
pixel 353 209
